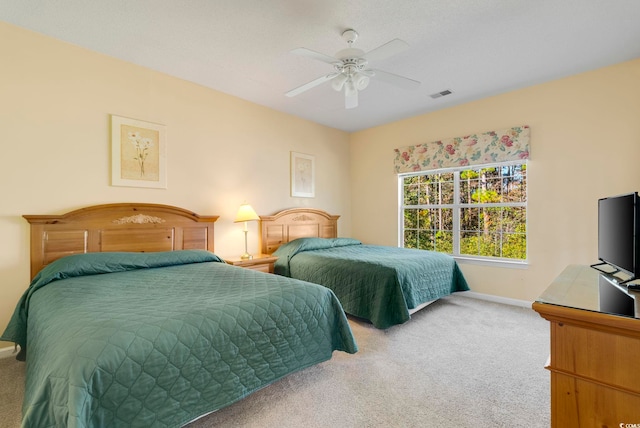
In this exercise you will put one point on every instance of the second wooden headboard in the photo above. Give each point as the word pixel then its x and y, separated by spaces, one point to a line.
pixel 295 223
pixel 136 227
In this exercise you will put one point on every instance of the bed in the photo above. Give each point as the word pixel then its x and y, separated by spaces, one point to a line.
pixel 132 320
pixel 383 285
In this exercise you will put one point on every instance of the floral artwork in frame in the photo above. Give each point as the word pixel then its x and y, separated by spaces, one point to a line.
pixel 302 175
pixel 138 153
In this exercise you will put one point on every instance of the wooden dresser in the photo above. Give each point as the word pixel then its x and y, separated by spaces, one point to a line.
pixel 595 350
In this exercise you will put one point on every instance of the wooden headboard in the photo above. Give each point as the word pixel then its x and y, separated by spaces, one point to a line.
pixel 294 223
pixel 117 227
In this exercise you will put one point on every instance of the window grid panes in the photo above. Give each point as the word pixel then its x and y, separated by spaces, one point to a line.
pixel 475 212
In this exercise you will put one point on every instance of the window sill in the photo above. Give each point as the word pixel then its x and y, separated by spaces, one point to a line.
pixel 494 263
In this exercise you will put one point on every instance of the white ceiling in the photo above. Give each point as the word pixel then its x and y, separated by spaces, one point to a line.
pixel 475 48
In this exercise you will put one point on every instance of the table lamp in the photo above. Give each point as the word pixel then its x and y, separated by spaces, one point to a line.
pixel 246 214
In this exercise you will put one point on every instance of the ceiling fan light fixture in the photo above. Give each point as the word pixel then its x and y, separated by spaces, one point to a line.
pixel 350 88
pixel 338 82
pixel 361 81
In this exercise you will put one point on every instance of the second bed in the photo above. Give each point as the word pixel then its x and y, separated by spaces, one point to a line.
pixel 382 284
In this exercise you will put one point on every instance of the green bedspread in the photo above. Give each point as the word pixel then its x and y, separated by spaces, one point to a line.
pixel 378 283
pixel 158 339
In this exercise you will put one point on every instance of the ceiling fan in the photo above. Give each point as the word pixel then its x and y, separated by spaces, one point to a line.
pixel 351 68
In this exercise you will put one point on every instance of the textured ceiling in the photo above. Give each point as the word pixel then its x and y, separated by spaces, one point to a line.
pixel 475 48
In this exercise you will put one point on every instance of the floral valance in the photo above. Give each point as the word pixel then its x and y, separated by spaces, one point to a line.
pixel 477 149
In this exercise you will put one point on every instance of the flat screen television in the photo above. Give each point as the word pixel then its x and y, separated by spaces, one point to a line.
pixel 618 240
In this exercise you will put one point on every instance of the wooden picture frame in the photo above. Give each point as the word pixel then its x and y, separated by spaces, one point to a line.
pixel 138 153
pixel 302 175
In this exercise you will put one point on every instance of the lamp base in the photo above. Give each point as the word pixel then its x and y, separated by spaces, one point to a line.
pixel 246 255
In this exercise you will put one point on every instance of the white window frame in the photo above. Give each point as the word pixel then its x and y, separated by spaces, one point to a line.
pixel 457 206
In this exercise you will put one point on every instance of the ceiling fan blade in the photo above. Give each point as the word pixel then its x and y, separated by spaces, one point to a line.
pixel 394 79
pixel 351 100
pixel 320 80
pixel 315 55
pixel 393 47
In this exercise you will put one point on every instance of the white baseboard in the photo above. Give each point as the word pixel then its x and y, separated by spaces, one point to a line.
pixel 496 299
pixel 9 351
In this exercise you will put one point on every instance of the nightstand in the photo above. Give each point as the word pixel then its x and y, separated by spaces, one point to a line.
pixel 261 262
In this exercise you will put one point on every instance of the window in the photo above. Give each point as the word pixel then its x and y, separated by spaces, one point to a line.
pixel 478 212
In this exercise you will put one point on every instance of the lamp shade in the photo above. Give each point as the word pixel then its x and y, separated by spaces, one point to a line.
pixel 361 81
pixel 350 88
pixel 246 213
pixel 338 82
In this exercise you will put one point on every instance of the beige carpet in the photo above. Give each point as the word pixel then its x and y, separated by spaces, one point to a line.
pixel 11 391
pixel 458 363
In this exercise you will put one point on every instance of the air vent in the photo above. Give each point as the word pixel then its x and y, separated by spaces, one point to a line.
pixel 441 94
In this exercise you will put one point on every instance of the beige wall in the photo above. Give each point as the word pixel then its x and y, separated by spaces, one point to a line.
pixel 55 105
pixel 585 144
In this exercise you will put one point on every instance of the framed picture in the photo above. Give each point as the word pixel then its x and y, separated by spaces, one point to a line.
pixel 138 153
pixel 302 175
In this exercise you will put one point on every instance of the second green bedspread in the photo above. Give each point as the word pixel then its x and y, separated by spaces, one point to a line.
pixel 378 283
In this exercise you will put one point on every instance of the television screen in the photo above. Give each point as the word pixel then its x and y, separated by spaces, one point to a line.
pixel 617 232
